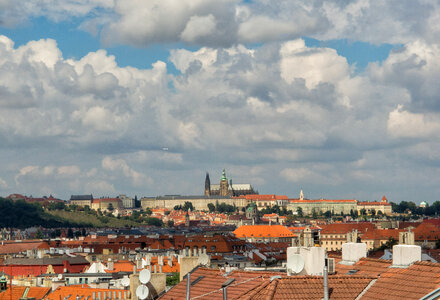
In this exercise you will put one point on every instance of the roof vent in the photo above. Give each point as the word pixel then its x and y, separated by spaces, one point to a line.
pixel 405 255
pixel 352 252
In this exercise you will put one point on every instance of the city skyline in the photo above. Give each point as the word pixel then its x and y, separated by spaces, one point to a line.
pixel 107 97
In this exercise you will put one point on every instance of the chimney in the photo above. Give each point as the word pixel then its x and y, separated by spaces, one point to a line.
pixel 405 255
pixel 352 252
pixel 110 265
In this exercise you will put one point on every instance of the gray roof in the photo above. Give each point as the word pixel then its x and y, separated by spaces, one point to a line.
pixel 46 261
pixel 81 197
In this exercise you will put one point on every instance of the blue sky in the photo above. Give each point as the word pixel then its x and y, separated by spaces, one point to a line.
pixel 337 98
pixel 76 43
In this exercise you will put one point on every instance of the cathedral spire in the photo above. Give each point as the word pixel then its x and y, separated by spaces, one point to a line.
pixel 207 185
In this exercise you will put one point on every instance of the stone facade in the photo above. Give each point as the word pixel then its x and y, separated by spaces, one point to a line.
pixel 198 202
pixel 323 205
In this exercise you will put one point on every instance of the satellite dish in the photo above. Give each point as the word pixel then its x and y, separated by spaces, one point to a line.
pixel 125 281
pixel 295 263
pixel 142 292
pixel 204 259
pixel 144 276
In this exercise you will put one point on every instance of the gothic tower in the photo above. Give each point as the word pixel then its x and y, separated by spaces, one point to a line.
pixel 224 185
pixel 207 185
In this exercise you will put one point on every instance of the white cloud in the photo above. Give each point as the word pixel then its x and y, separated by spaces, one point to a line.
pixel 311 64
pixel 402 123
pixel 121 165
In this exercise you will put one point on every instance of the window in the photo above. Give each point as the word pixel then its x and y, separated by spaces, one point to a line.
pixel 213 248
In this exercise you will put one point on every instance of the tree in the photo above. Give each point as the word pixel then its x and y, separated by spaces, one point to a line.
pixel 70 233
pixel 110 207
pixel 170 223
pixel 328 214
pixel 137 203
pixel 154 221
pixel 299 210
pixel 363 212
pixel 211 207
pixel 373 212
pixel 188 206
pixel 148 211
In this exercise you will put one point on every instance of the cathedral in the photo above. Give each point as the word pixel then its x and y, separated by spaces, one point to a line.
pixel 227 188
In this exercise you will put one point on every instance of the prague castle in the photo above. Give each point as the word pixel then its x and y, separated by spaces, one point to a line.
pixel 226 188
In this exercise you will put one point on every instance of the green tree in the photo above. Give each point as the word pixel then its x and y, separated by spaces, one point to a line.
pixel 328 214
pixel 211 207
pixel 187 206
pixel 173 279
pixel 154 221
pixel 299 211
pixel 110 207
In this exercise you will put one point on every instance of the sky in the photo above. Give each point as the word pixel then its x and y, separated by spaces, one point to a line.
pixel 337 98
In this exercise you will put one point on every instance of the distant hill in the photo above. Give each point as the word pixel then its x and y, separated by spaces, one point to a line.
pixel 20 214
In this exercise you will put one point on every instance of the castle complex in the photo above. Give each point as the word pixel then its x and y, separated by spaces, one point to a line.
pixel 226 188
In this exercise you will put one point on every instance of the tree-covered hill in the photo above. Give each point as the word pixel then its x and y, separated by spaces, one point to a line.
pixel 20 214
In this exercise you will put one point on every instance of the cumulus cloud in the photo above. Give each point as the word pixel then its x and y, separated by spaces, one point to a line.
pixel 281 115
pixel 120 165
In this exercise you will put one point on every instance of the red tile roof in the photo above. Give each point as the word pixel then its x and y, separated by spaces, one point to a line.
pixel 273 231
pixel 81 291
pixel 19 291
pixel 365 266
pixel 18 247
pixel 310 287
pixel 209 286
pixel 342 228
pixel 413 282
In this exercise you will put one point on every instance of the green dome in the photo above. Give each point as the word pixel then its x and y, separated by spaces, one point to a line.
pixel 223 175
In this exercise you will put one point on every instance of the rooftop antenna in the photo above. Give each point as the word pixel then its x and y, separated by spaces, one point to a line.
pixel 144 276
pixel 142 290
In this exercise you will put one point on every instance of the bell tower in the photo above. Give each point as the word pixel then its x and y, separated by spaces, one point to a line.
pixel 224 185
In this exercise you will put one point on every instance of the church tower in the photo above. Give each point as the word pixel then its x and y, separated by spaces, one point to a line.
pixel 207 185
pixel 224 185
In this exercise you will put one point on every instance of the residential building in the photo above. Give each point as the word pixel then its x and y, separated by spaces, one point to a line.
pixel 334 235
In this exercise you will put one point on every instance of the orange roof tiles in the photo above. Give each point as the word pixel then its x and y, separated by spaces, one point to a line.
pixel 82 291
pixel 310 287
pixel 17 247
pixel 209 286
pixel 19 291
pixel 341 228
pixel 413 282
pixel 382 234
pixel 263 231
pixel 365 266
